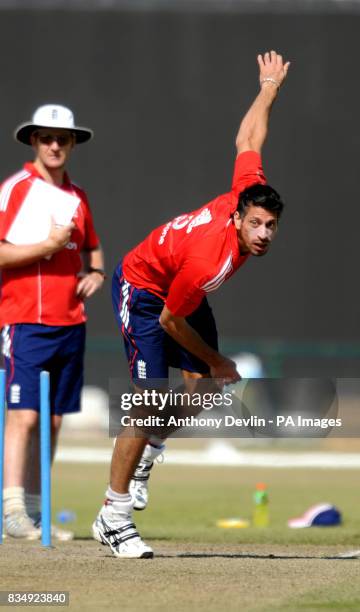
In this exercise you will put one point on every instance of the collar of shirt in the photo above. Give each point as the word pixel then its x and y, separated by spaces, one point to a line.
pixel 30 167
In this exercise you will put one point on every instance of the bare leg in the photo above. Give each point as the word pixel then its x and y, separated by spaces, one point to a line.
pixel 20 427
pixel 140 478
pixel 126 456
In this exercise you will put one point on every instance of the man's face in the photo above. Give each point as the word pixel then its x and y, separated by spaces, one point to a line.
pixel 52 146
pixel 255 230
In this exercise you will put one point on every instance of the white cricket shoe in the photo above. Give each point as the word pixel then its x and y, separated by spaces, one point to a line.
pixel 138 487
pixel 20 525
pixel 122 538
pixel 62 535
pixel 97 526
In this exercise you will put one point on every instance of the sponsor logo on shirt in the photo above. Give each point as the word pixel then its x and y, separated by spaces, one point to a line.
pixel 201 219
pixel 188 221
pixel 164 232
pixel 72 246
pixel 181 222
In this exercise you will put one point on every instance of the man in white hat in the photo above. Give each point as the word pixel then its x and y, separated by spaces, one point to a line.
pixel 43 288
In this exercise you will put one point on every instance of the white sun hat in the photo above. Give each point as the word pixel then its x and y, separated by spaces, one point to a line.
pixel 52 116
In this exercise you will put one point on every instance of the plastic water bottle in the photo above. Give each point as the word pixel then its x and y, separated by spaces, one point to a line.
pixel 261 506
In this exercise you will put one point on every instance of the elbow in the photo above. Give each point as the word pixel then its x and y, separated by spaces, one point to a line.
pixel 161 320
pixel 250 142
pixel 168 322
pixel 239 142
pixel 164 321
pixel 244 144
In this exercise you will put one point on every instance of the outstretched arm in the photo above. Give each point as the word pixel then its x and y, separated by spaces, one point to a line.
pixel 254 126
pixel 178 328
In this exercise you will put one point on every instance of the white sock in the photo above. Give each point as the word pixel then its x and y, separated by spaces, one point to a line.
pixel 14 500
pixel 113 496
pixel 33 503
pixel 118 506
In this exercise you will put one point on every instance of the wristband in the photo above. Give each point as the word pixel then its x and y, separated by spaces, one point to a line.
pixel 98 270
pixel 270 80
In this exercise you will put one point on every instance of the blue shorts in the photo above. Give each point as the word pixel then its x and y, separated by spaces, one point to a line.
pixel 150 350
pixel 30 348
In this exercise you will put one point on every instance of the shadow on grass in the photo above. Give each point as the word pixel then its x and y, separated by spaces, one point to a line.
pixel 342 557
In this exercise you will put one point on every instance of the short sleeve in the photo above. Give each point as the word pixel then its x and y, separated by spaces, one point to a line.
pixel 3 225
pixel 248 171
pixel 91 241
pixel 11 199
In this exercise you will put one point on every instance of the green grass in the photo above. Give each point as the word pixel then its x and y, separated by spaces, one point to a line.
pixel 331 598
pixel 199 567
pixel 186 502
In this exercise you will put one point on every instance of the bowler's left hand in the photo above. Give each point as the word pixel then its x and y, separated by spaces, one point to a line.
pixel 88 284
pixel 272 66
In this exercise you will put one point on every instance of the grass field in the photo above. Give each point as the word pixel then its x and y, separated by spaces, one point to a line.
pixel 198 565
pixel 186 502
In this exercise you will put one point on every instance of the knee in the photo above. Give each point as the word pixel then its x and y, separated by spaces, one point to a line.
pixel 23 420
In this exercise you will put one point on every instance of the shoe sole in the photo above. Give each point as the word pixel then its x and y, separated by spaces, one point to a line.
pixel 145 555
pixel 62 538
pixel 30 538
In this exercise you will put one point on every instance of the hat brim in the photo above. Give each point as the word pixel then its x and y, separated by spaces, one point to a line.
pixel 23 132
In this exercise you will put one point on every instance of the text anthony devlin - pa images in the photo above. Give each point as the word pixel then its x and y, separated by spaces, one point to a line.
pixel 282 421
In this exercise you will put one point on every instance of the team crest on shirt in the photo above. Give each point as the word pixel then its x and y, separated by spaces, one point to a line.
pixel 141 368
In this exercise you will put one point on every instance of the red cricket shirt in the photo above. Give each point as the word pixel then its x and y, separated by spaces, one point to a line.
pixel 194 253
pixel 45 291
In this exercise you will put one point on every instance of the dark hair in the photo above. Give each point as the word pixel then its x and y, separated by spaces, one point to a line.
pixel 260 195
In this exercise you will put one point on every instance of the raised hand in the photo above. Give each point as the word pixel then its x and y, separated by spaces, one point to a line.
pixel 273 70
